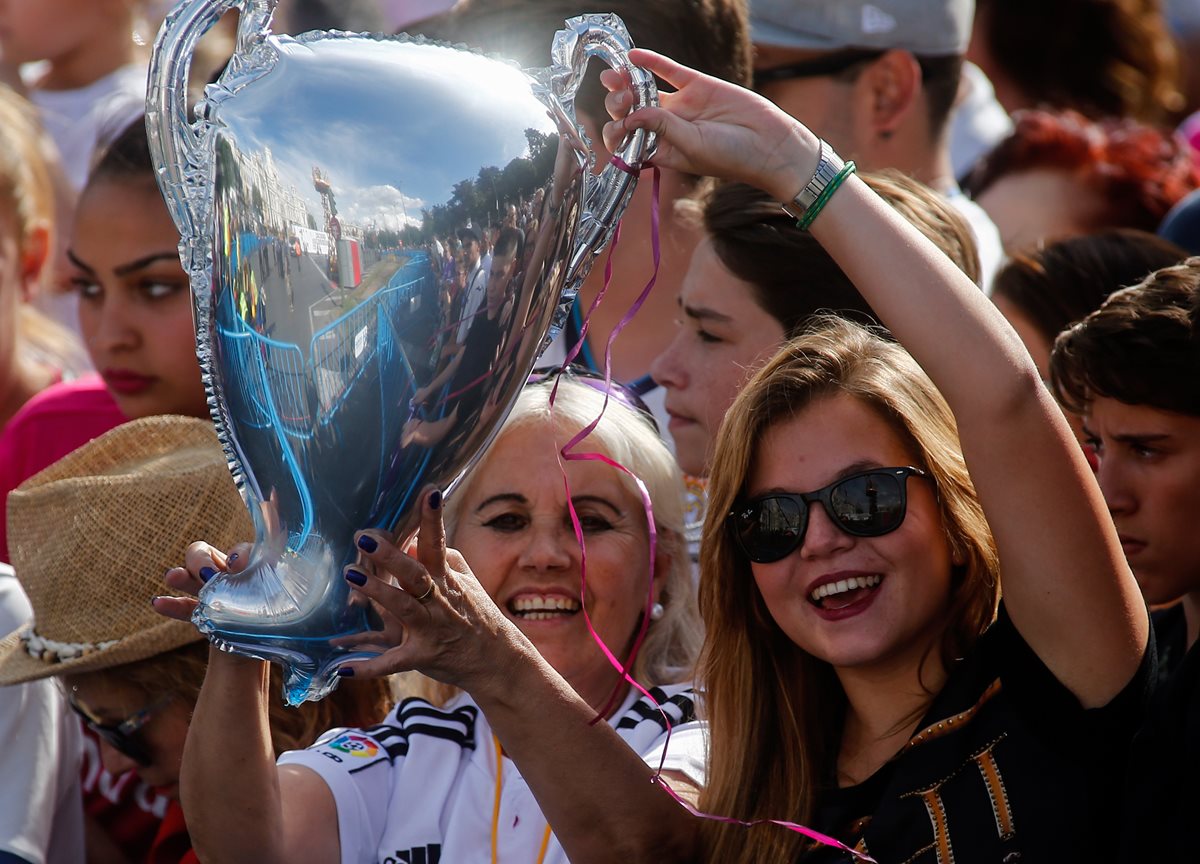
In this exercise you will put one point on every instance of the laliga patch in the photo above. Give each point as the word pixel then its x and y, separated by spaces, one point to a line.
pixel 354 745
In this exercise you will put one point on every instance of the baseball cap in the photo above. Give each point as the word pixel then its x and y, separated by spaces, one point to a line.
pixel 927 28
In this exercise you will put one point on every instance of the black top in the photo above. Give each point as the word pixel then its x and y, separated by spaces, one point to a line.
pixel 483 340
pixel 1005 767
pixel 1163 799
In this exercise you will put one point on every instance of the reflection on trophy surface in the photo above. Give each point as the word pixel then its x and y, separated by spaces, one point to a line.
pixel 352 356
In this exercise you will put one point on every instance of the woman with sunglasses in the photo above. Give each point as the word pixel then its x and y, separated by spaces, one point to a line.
pixel 867 503
pixel 132 499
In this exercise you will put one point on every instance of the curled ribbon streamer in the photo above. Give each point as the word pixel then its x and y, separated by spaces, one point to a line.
pixel 823 839
pixel 567 453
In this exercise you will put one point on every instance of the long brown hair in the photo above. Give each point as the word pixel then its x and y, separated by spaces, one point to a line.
pixel 775 712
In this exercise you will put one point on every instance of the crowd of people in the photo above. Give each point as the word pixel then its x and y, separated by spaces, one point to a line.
pixel 886 552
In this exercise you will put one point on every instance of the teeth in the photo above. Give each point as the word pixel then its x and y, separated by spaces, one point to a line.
pixel 539 608
pixel 843 585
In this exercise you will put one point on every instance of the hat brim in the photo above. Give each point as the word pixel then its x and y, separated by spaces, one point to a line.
pixel 17 666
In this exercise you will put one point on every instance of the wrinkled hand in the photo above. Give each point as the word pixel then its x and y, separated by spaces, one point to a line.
pixel 201 563
pixel 437 618
pixel 712 127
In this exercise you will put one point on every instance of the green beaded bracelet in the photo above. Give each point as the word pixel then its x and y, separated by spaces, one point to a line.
pixel 812 212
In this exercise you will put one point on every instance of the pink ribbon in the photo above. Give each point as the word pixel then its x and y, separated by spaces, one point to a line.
pixel 568 453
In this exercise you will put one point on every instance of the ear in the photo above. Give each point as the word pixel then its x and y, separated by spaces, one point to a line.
pixel 35 252
pixel 662 566
pixel 893 83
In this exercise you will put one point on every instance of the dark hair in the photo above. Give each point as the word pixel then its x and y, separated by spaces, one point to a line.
pixel 1137 171
pixel 1121 60
pixel 940 79
pixel 792 276
pixel 1061 283
pixel 1142 347
pixel 127 157
pixel 509 242
pixel 467 235
pixel 709 35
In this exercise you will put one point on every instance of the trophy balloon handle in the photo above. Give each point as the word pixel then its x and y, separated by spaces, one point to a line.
pixel 175 144
pixel 603 36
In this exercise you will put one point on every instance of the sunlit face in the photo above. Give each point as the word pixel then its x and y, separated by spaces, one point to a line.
pixel 723 335
pixel 1033 208
pixel 135 305
pixel 1149 471
pixel 890 626
pixel 109 701
pixel 499 277
pixel 47 29
pixel 515 532
pixel 824 103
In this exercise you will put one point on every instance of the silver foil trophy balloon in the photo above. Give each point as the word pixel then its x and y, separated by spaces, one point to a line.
pixel 382 234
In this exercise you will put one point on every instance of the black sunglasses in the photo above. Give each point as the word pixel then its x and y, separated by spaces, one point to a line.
pixel 124 737
pixel 868 504
pixel 627 396
pixel 833 63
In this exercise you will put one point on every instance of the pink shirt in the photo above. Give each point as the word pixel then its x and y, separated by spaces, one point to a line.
pixel 56 421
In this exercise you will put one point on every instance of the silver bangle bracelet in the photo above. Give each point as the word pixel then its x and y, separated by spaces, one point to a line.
pixel 829 165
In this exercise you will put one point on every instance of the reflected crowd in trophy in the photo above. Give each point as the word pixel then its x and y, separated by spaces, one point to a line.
pixel 535 430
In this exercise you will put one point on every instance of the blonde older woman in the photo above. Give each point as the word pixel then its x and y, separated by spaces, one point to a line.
pixel 492 769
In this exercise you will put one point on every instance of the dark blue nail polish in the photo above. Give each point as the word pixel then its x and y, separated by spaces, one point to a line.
pixel 435 499
pixel 367 543
pixel 207 573
pixel 345 672
pixel 233 557
pixel 354 577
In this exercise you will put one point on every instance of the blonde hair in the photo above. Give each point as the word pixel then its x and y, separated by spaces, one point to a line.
pixel 29 201
pixel 672 642
pixel 775 712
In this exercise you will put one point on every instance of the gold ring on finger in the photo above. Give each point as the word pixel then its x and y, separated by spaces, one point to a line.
pixel 424 598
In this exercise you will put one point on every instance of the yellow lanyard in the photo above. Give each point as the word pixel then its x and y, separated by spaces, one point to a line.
pixel 496 810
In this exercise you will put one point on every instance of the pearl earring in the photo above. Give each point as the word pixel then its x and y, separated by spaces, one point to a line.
pixel 656 611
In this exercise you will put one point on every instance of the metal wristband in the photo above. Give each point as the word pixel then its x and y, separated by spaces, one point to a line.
pixel 829 165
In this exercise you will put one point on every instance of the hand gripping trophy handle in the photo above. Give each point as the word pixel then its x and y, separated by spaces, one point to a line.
pixel 602 36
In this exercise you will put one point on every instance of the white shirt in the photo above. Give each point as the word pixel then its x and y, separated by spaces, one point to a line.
pixel 421 785
pixel 83 121
pixel 476 294
pixel 987 236
pixel 41 806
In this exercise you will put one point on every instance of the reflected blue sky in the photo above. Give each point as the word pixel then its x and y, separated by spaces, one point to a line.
pixel 393 125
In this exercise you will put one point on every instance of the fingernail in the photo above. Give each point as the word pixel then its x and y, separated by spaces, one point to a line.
pixel 435 499
pixel 354 577
pixel 233 557
pixel 345 672
pixel 367 543
pixel 207 573
pixel 155 599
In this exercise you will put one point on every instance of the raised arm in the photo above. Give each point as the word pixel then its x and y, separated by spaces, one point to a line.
pixel 594 790
pixel 240 806
pixel 1065 580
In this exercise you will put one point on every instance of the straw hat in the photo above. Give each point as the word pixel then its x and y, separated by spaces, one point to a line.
pixel 91 536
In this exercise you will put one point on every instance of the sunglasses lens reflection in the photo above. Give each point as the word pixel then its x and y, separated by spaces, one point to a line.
pixel 865 505
pixel 869 505
pixel 772 527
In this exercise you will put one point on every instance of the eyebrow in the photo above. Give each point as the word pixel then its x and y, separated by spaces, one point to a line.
pixel 1131 437
pixel 126 269
pixel 514 497
pixel 702 313
pixel 845 471
pixel 597 499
